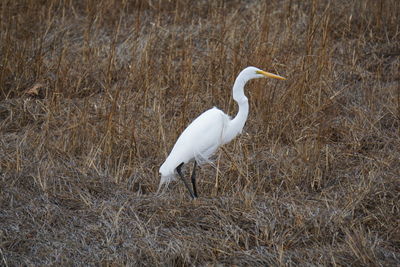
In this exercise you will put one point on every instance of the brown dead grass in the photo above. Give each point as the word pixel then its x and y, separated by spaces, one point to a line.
pixel 93 95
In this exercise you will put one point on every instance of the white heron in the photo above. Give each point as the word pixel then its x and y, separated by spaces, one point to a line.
pixel 209 131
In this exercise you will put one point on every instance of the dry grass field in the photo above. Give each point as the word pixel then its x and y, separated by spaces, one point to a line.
pixel 93 95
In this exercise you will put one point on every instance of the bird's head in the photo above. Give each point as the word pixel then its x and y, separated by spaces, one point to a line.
pixel 246 75
pixel 254 73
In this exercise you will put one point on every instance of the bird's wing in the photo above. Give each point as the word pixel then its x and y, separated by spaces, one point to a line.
pixel 198 141
pixel 203 136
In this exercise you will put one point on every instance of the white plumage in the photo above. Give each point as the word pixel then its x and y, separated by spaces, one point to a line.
pixel 198 141
pixel 210 130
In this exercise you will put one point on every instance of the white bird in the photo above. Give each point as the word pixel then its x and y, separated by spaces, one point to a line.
pixel 209 131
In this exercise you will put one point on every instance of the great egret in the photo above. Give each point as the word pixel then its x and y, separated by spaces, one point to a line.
pixel 210 130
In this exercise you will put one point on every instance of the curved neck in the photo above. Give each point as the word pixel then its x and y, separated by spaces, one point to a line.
pixel 241 99
pixel 241 117
pixel 238 90
pixel 236 125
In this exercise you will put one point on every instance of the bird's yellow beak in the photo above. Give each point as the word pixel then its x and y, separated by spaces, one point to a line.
pixel 270 75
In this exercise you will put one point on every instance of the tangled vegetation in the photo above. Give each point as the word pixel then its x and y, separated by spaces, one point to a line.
pixel 93 95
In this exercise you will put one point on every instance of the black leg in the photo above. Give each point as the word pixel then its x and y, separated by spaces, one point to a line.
pixel 178 169
pixel 194 179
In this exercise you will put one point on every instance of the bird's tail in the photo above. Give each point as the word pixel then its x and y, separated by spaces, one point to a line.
pixel 165 180
pixel 159 189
